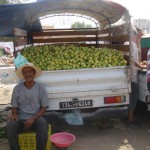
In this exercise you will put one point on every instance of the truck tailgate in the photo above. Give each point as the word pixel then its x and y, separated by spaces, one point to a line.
pixel 85 84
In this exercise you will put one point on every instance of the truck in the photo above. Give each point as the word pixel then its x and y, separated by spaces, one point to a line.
pixel 98 93
pixel 144 95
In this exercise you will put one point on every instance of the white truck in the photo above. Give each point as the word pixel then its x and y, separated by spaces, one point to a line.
pixel 101 93
pixel 97 92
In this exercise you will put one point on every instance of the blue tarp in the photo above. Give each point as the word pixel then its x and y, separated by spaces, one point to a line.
pixel 19 16
pixel 26 16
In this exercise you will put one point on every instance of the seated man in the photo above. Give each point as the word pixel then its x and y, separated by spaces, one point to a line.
pixel 29 103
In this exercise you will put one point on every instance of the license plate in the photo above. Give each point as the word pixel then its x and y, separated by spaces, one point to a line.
pixel 74 104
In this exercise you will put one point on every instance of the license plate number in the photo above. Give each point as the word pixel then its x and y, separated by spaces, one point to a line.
pixel 74 104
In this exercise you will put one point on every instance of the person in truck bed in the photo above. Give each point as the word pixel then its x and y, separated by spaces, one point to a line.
pixel 29 102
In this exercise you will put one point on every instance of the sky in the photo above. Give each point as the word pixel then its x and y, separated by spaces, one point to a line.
pixel 138 9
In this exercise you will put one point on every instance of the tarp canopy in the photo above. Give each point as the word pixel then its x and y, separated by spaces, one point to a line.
pixel 26 15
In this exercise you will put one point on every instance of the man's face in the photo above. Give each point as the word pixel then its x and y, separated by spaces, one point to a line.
pixel 28 73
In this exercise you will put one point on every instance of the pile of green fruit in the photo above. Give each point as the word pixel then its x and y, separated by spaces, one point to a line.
pixel 50 57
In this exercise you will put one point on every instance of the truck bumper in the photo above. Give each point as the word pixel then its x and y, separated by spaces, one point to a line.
pixel 108 113
pixel 100 113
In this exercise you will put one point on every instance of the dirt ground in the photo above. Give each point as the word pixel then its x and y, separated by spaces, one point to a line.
pixel 119 136
pixel 5 93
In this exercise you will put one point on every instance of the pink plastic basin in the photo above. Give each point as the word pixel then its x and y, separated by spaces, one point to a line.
pixel 62 139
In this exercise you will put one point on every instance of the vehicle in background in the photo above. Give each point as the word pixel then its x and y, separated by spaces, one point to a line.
pixel 144 95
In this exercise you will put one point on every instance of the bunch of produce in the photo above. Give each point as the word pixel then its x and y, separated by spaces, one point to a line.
pixel 50 57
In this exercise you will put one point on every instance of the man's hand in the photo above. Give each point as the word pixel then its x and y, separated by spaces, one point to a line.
pixel 28 123
pixel 13 117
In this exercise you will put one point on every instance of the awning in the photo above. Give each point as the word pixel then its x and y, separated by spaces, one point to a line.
pixel 26 16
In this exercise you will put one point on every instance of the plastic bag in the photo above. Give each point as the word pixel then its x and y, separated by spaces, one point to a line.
pixel 20 60
pixel 74 118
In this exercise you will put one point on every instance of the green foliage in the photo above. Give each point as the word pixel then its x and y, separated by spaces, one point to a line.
pixel 10 1
pixel 4 2
pixel 81 25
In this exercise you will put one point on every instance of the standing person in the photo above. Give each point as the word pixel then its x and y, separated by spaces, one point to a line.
pixel 135 59
pixel 29 102
pixel 148 70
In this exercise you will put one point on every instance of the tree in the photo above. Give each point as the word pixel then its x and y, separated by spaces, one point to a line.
pixel 81 25
pixel 10 1
pixel 4 2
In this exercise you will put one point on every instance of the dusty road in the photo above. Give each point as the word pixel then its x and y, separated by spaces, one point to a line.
pixel 91 137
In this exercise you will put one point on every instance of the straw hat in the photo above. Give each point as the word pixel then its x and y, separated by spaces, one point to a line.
pixel 20 74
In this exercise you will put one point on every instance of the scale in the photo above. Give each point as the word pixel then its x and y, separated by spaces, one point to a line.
pixel 62 140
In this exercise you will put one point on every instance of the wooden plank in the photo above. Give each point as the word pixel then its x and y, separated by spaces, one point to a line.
pixel 71 29
pixel 118 38
pixel 20 39
pixel 61 37
pixel 19 32
pixel 88 45
pixel 62 33
pixel 76 44
pixel 20 42
pixel 111 30
pixel 124 48
pixel 78 39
